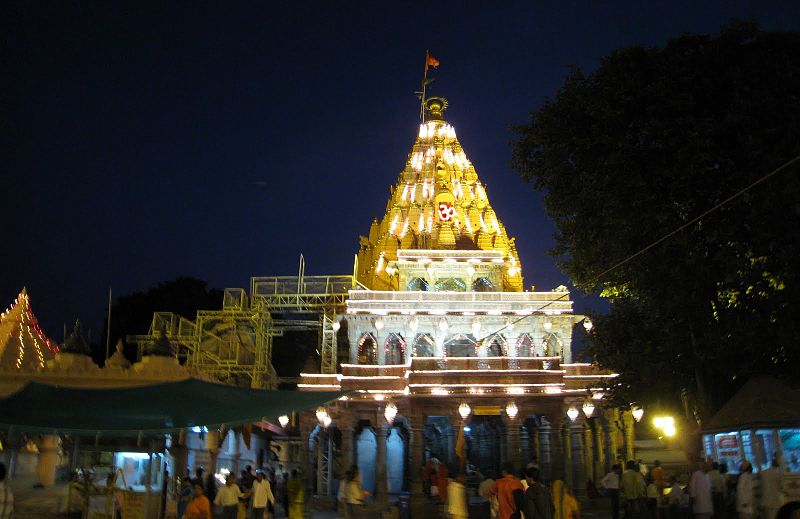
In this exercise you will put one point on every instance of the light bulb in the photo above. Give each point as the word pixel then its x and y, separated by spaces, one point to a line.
pixel 284 420
pixel 588 408
pixel 321 414
pixel 573 413
pixel 390 412
pixel 326 422
pixel 587 324
pixel 443 325
pixel 464 410
pixel 547 325
pixel 413 324
pixel 512 410
pixel 336 325
pixel 638 413
pixel 379 324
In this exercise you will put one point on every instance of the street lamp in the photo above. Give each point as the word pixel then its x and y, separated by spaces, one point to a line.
pixel 443 325
pixel 548 325
pixel 588 408
pixel 321 414
pixel 390 412
pixel 588 325
pixel 573 413
pixel 464 410
pixel 336 325
pixel 379 324
pixel 638 413
pixel 512 410
pixel 284 420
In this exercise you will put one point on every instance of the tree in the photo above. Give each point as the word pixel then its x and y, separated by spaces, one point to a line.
pixel 132 314
pixel 638 148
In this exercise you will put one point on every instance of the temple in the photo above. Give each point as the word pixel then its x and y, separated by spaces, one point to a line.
pixel 450 360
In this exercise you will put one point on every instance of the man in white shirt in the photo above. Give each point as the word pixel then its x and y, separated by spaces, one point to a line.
pixel 228 498
pixel 700 492
pixel 717 490
pixel 6 497
pixel 611 483
pixel 262 496
pixel 771 490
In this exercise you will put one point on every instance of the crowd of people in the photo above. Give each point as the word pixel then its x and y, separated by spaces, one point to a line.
pixel 254 495
pixel 707 492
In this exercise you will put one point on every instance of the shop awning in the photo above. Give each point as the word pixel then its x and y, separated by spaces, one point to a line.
pixel 152 409
pixel 761 402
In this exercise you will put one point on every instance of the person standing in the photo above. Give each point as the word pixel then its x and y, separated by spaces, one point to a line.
pixel 632 491
pixel 184 497
pixel 484 491
pixel 717 490
pixel 199 507
pixel 657 475
pixel 262 497
pixel 509 494
pixel 700 492
pixel 745 505
pixel 611 483
pixel 228 498
pixel 354 492
pixel 457 497
pixel 6 496
pixel 538 503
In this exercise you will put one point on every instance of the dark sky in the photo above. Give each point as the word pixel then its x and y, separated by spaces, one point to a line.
pixel 138 136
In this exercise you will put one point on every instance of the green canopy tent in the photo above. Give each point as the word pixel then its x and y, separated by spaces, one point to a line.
pixel 146 410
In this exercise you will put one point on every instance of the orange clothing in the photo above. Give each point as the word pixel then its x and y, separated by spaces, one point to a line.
pixel 658 477
pixel 570 507
pixel 198 508
pixel 442 481
pixel 504 490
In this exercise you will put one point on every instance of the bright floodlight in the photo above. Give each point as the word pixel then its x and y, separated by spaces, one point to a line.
pixel 572 413
pixel 390 412
pixel 464 410
pixel 284 420
pixel 512 410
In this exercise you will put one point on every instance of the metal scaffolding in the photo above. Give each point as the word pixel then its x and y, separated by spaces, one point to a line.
pixel 234 344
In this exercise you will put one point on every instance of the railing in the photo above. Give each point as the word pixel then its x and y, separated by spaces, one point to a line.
pixel 466 297
pixel 484 363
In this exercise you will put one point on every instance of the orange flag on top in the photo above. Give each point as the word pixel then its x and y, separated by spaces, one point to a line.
pixel 461 447
pixel 430 61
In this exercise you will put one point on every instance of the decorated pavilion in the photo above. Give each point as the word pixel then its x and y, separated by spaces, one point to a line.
pixel 444 341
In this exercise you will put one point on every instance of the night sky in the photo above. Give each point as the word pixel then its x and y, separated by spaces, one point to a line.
pixel 149 141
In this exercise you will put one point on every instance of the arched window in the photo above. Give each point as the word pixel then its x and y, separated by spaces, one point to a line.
pixel 460 346
pixel 417 285
pixel 450 285
pixel 482 284
pixel 367 349
pixel 497 347
pixel 395 349
pixel 423 346
pixel 552 345
pixel 525 346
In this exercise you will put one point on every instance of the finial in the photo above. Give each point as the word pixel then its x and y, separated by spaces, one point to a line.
pixel 434 107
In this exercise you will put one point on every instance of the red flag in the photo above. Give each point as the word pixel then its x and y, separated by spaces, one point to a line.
pixel 430 61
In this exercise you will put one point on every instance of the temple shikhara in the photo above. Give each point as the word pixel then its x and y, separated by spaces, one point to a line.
pixel 442 359
pixel 448 360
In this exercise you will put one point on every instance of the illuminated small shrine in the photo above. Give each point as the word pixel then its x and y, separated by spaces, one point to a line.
pixel 444 341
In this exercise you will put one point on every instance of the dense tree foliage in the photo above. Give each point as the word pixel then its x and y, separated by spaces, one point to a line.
pixel 648 141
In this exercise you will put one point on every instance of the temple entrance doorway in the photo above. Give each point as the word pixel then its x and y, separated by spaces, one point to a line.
pixel 396 460
pixel 486 442
pixel 366 455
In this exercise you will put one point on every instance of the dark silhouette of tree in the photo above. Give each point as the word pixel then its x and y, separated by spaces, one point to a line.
pixel 641 146
pixel 132 314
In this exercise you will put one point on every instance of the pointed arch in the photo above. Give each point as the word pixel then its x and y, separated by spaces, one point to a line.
pixel 552 346
pixel 525 347
pixel 450 285
pixel 424 346
pixel 460 345
pixel 395 349
pixel 482 284
pixel 497 346
pixel 418 285
pixel 367 349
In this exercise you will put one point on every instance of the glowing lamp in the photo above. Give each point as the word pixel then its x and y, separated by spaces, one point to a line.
pixel 284 420
pixel 547 325
pixel 638 413
pixel 379 324
pixel 464 410
pixel 588 325
pixel 326 422
pixel 573 413
pixel 379 397
pixel 588 408
pixel 443 325
pixel 321 414
pixel 471 271
pixel 390 412
pixel 413 324
pixel 512 410
pixel 336 325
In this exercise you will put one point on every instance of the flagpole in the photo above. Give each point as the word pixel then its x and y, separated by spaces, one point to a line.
pixel 108 326
pixel 424 84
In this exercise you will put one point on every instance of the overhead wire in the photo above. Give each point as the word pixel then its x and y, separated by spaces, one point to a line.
pixel 594 280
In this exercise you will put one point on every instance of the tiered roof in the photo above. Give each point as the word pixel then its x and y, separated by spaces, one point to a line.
pixel 23 345
pixel 438 203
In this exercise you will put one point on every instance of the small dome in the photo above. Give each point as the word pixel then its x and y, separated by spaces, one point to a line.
pixel 75 343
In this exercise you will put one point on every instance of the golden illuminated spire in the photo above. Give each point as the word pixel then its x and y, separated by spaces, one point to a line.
pixel 438 203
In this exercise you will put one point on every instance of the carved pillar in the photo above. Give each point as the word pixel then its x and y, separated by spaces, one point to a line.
pixel 612 436
pixel 180 454
pixel 600 467
pixel 569 470
pixel 346 426
pixel 381 486
pixel 417 441
pixel 48 459
pixel 577 434
pixel 557 447
pixel 353 334
pixel 512 441
pixel 212 446
pixel 236 454
pixel 544 433
pixel 627 423
pixel 588 453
